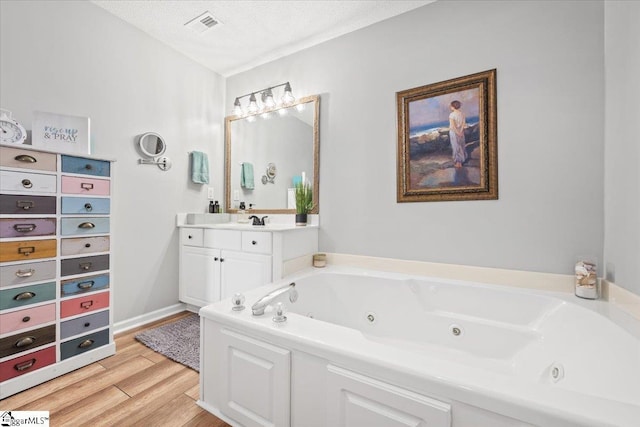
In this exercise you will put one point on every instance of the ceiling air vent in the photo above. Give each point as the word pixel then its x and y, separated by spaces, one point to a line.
pixel 202 23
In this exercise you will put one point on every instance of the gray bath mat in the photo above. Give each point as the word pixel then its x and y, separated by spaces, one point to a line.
pixel 179 341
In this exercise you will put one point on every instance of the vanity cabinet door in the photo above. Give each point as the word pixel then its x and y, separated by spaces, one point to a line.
pixel 199 275
pixel 256 386
pixel 358 400
pixel 242 271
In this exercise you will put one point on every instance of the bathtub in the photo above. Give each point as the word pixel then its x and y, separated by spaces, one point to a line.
pixel 364 347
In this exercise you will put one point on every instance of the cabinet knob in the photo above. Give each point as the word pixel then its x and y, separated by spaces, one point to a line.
pixel 27 183
pixel 25 319
pixel 221 259
pixel 215 258
pixel 253 242
pixel 190 236
pixel 88 207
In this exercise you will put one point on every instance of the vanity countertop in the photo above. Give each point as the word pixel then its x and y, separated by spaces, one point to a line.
pixel 248 227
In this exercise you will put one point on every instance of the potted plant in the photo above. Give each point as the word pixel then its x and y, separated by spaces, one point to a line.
pixel 304 202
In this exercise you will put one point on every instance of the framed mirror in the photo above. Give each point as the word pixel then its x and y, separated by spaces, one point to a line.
pixel 152 145
pixel 288 138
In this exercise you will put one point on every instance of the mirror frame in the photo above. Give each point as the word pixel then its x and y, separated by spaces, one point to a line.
pixel 316 156
pixel 147 153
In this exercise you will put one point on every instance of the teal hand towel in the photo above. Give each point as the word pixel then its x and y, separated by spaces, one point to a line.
pixel 246 176
pixel 199 167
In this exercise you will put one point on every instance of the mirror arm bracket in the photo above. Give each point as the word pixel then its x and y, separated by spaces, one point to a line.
pixel 163 163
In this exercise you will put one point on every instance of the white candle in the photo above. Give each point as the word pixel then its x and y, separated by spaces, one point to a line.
pixel 303 180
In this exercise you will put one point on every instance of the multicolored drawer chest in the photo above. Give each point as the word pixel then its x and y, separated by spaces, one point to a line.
pixel 55 270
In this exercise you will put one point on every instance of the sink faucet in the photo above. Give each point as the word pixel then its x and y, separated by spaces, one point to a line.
pixel 258 308
pixel 258 221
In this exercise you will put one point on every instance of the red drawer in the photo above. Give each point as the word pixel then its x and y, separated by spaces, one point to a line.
pixel 27 363
pixel 84 304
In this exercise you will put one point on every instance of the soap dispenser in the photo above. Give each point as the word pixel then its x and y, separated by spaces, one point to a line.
pixel 211 207
pixel 243 217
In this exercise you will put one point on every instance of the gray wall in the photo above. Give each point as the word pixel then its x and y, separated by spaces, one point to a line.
pixel 550 71
pixel 622 152
pixel 75 58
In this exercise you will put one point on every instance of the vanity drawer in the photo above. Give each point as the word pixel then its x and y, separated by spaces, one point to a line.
pixel 27 227
pixel 84 284
pixel 85 166
pixel 27 249
pixel 27 204
pixel 80 226
pixel 18 274
pixel 84 265
pixel 83 324
pixel 24 341
pixel 27 182
pixel 223 239
pixel 192 236
pixel 88 186
pixel 85 304
pixel 27 318
pixel 27 363
pixel 84 245
pixel 256 242
pixel 27 295
pixel 85 343
pixel 27 159
pixel 85 205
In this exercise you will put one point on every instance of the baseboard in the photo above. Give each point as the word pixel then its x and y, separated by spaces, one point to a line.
pixel 146 318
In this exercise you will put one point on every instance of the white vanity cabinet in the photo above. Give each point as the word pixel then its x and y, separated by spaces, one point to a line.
pixel 218 261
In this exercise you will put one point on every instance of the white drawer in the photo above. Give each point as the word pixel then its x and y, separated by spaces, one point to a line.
pixel 258 242
pixel 27 182
pixel 191 236
pixel 223 239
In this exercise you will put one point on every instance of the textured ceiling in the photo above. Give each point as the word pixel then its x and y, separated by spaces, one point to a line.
pixel 252 32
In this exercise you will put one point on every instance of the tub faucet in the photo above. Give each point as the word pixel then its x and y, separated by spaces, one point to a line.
pixel 258 221
pixel 258 308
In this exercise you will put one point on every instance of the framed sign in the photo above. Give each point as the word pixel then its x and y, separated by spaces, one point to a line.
pixel 447 140
pixel 61 133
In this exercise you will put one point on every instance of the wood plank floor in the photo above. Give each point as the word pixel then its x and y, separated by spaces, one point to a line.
pixel 134 387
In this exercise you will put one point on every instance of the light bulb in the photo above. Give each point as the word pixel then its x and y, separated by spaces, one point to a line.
pixel 288 97
pixel 253 104
pixel 267 98
pixel 237 108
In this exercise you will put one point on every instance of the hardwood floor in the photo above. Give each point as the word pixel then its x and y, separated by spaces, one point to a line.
pixel 134 387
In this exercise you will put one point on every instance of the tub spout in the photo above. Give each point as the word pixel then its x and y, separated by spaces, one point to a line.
pixel 258 308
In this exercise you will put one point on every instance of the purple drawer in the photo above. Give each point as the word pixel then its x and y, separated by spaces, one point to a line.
pixel 25 227
pixel 26 204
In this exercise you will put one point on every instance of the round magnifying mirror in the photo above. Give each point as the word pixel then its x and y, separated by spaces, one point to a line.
pixel 152 145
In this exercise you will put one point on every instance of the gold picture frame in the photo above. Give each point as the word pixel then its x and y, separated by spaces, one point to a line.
pixel 447 140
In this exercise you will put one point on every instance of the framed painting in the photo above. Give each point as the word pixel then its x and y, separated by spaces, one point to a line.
pixel 447 140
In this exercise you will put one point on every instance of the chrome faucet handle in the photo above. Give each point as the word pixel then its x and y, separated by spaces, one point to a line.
pixel 238 302
pixel 279 317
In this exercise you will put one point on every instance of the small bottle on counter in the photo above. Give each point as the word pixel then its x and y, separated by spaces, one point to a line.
pixel 216 207
pixel 211 207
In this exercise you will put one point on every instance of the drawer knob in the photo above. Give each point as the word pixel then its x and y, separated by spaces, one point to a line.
pixel 86 225
pixel 24 365
pixel 86 186
pixel 26 250
pixel 253 242
pixel 24 295
pixel 215 258
pixel 25 204
pixel 87 324
pixel 26 341
pixel 24 228
pixel 86 285
pixel 221 259
pixel 25 319
pixel 84 265
pixel 88 167
pixel 85 344
pixel 88 207
pixel 25 158
pixel 26 183
pixel 87 245
pixel 25 273
pixel 190 236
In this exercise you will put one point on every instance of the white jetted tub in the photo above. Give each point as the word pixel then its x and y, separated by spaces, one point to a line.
pixel 367 348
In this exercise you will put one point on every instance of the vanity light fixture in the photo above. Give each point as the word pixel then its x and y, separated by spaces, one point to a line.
pixel 267 101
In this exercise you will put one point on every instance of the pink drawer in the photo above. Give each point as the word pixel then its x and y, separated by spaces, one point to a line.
pixel 84 304
pixel 27 318
pixel 82 185
pixel 27 363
